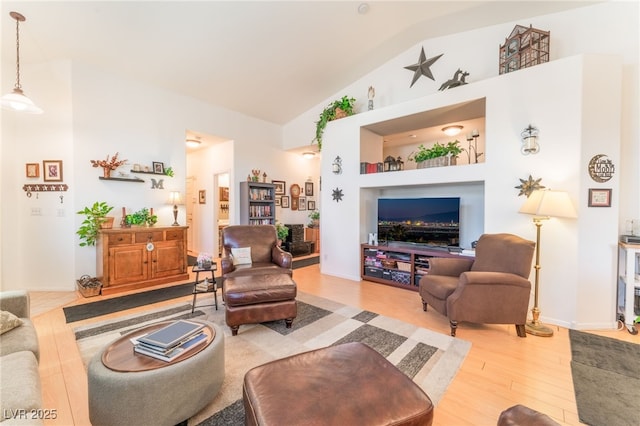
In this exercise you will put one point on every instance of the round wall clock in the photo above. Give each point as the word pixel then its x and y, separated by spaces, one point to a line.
pixel 295 190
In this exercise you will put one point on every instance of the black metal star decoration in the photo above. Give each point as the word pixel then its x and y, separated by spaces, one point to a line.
pixel 337 195
pixel 422 67
pixel 527 186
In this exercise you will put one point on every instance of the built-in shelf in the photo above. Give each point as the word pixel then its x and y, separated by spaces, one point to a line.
pixel 121 179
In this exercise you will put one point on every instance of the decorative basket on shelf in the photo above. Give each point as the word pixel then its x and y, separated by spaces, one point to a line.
pixel 89 286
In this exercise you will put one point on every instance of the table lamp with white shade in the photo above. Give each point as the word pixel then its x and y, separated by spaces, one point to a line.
pixel 175 199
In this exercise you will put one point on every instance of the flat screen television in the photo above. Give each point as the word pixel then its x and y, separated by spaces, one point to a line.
pixel 432 221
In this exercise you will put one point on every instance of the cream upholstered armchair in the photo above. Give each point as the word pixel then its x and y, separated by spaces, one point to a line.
pixel 492 289
pixel 253 250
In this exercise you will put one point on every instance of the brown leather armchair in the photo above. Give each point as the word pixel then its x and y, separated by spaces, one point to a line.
pixel 492 289
pixel 266 256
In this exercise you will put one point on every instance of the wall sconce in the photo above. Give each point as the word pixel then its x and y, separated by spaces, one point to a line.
pixel 452 130
pixel 337 166
pixel 529 141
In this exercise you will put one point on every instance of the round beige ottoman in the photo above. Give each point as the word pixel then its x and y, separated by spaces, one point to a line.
pixel 164 396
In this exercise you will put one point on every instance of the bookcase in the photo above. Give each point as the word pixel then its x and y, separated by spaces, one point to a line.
pixel 399 265
pixel 257 203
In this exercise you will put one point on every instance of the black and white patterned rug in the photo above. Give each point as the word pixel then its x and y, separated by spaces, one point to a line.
pixel 431 359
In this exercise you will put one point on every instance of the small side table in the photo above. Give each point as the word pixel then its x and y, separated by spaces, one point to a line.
pixel 214 288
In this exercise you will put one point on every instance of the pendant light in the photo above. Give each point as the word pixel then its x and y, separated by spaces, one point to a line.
pixel 16 100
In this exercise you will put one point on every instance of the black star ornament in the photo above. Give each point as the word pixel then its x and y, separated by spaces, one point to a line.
pixel 422 67
pixel 337 195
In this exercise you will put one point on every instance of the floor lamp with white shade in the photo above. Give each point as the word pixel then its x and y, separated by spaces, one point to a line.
pixel 544 204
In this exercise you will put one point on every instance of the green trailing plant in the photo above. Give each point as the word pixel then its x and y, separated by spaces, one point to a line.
pixel 141 217
pixel 95 216
pixel 437 150
pixel 337 109
pixel 282 231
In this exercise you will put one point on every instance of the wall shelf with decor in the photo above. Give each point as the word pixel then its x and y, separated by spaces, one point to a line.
pixel 400 265
pixel 257 203
pixel 134 179
pixel 149 173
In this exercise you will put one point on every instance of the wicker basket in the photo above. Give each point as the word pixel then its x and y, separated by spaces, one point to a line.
pixel 340 113
pixel 89 286
pixel 404 266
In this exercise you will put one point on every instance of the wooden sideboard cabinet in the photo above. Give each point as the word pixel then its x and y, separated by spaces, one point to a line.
pixel 133 258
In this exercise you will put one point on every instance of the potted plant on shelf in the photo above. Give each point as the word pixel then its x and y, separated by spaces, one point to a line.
pixel 315 219
pixel 143 217
pixel 283 232
pixel 95 219
pixel 335 110
pixel 437 155
pixel 108 165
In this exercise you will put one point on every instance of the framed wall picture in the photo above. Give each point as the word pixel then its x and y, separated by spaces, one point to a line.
pixel 302 203
pixel 202 196
pixel 52 170
pixel 278 201
pixel 280 187
pixel 308 189
pixel 33 170
pixel 224 193
pixel 311 205
pixel 158 167
pixel 599 197
pixel 284 201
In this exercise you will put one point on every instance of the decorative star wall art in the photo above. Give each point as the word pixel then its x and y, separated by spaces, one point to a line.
pixel 337 195
pixel 422 67
pixel 527 186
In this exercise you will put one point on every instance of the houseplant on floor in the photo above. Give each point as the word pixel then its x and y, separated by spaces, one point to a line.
pixel 282 232
pixel 95 219
pixel 335 110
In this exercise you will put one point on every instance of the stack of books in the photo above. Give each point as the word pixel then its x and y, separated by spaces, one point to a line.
pixel 205 285
pixel 170 342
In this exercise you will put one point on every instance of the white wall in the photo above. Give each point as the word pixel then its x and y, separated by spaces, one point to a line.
pixel 579 114
pixel 90 114
pixel 589 108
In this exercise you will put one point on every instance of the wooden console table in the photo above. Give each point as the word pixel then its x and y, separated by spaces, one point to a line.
pixel 138 257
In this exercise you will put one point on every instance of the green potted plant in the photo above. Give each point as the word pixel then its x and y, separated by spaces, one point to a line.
pixel 446 154
pixel 143 217
pixel 315 219
pixel 282 232
pixel 95 218
pixel 337 109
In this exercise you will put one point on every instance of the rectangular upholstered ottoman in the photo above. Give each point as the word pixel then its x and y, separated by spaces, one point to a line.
pixel 348 384
pixel 254 299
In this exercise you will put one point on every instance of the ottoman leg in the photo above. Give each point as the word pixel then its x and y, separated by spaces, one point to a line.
pixel 288 322
pixel 234 330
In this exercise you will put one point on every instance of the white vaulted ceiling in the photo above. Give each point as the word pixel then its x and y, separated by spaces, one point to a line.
pixel 272 60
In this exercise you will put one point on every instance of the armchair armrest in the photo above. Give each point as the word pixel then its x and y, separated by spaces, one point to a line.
pixel 16 302
pixel 281 257
pixel 227 265
pixel 450 267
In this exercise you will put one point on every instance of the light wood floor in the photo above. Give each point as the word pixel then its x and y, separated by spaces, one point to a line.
pixel 500 370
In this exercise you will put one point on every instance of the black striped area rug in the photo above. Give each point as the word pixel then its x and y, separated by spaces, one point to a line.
pixel 431 359
pixel 117 304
